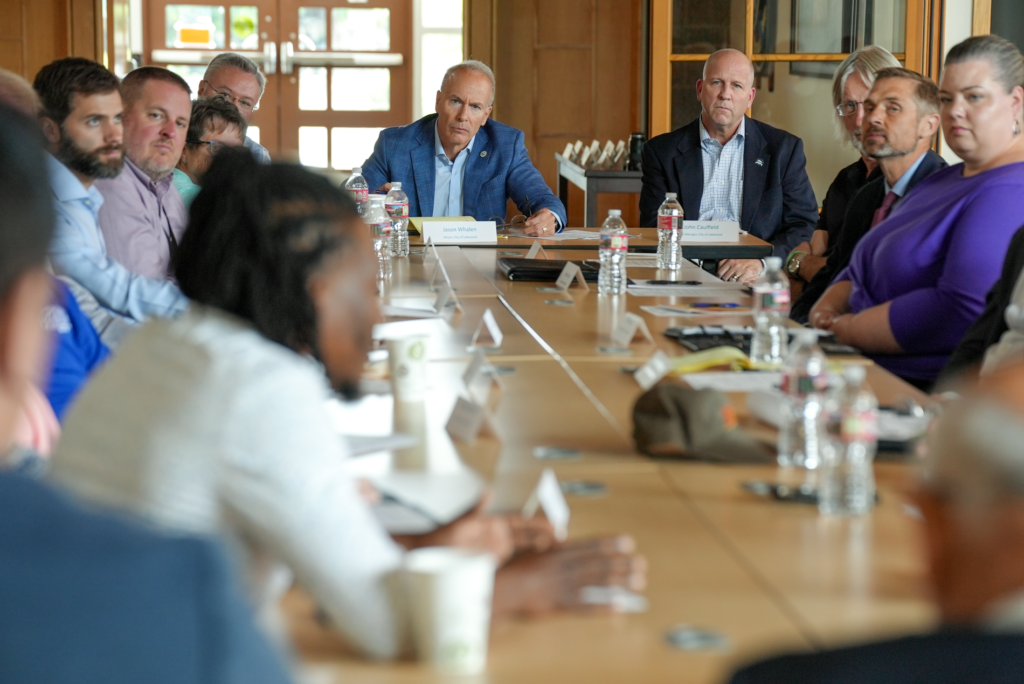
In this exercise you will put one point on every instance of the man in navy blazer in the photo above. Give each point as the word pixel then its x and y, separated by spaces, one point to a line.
pixel 725 166
pixel 457 162
pixel 972 505
pixel 84 598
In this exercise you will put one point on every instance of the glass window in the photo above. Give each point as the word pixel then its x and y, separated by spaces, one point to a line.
pixel 192 73
pixel 253 133
pixel 361 29
pixel 352 146
pixel 700 26
pixel 440 51
pixel 195 26
pixel 245 22
pixel 361 89
pixel 685 107
pixel 442 14
pixel 313 89
pixel 312 28
pixel 828 26
pixel 313 146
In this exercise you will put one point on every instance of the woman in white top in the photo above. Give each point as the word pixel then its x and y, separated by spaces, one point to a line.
pixel 215 422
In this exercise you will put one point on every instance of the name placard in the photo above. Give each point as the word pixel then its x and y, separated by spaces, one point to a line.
pixel 711 231
pixel 460 232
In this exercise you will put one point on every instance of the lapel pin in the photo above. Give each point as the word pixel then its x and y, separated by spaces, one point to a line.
pixel 759 162
pixel 484 153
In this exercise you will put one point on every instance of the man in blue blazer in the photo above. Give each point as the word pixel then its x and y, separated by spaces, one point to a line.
pixel 459 163
pixel 972 510
pixel 87 599
pixel 725 166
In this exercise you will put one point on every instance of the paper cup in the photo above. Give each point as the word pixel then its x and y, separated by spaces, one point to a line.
pixel 407 359
pixel 450 592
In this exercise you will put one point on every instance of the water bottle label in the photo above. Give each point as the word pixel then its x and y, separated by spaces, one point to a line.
pixel 859 426
pixel 616 243
pixel 380 229
pixel 775 301
pixel 670 223
pixel 802 384
pixel 361 196
pixel 397 210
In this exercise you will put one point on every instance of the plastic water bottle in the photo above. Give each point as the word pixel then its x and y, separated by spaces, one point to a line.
pixel 804 382
pixel 771 311
pixel 380 230
pixel 670 232
pixel 611 279
pixel 847 478
pixel 396 203
pixel 357 187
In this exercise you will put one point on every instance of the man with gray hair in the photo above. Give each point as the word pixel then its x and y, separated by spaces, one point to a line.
pixel 238 80
pixel 458 162
pixel 972 505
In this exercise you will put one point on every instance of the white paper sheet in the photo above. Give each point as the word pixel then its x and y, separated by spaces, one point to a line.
pixel 359 445
pixel 674 312
pixel 571 235
pixel 733 381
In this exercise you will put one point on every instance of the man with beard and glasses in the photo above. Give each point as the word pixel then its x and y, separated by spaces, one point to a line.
pixel 81 119
pixel 218 422
pixel 143 215
pixel 893 137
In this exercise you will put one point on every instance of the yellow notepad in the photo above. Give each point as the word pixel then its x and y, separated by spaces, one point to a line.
pixel 416 222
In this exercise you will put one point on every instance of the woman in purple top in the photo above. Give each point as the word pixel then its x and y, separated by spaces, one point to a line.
pixel 918 280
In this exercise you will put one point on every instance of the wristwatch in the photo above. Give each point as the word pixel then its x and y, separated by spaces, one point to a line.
pixel 793 265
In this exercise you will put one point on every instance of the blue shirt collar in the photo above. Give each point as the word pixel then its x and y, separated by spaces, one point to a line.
pixel 705 136
pixel 66 186
pixel 901 185
pixel 439 148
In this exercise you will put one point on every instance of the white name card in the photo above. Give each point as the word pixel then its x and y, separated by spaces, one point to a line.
pixel 549 497
pixel 487 328
pixel 627 329
pixel 711 231
pixel 444 295
pixel 468 421
pixel 536 252
pixel 569 273
pixel 657 367
pixel 461 232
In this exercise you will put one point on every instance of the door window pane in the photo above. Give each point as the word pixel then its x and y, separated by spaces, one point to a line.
pixel 440 51
pixel 828 26
pixel 313 146
pixel 361 90
pixel 312 28
pixel 313 89
pixel 699 26
pixel 245 22
pixel 361 29
pixel 195 26
pixel 352 146
pixel 442 14
pixel 192 73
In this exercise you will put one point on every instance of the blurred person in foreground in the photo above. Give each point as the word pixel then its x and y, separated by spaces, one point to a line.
pixel 238 80
pixel 84 598
pixel 217 422
pixel 901 117
pixel 215 124
pixel 972 502
pixel 917 280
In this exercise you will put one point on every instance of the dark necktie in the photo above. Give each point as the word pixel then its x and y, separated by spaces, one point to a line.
pixel 883 211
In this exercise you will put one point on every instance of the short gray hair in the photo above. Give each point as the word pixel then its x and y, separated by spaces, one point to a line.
pixel 866 62
pixel 236 61
pixel 473 66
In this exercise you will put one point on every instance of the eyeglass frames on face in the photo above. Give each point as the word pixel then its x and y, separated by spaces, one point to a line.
pixel 239 102
pixel 848 108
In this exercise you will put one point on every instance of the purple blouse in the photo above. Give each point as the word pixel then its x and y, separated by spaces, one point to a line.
pixel 936 257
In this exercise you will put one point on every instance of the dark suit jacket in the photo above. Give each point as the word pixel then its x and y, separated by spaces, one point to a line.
pixel 778 201
pixel 964 657
pixel 499 168
pixel 987 330
pixel 89 599
pixel 859 215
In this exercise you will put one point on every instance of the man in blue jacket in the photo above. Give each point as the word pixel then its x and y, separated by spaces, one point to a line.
pixel 459 163
pixel 89 599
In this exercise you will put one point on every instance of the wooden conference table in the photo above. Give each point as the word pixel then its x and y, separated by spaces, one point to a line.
pixel 766 576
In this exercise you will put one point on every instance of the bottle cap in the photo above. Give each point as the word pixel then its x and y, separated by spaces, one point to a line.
pixel 615 212
pixel 806 336
pixel 376 198
pixel 773 263
pixel 854 373
pixel 395 185
pixel 670 195
pixel 357 170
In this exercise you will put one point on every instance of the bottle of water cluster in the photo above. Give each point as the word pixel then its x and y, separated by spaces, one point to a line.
pixel 771 311
pixel 847 479
pixel 614 244
pixel 380 230
pixel 396 203
pixel 804 382
pixel 670 232
pixel 357 187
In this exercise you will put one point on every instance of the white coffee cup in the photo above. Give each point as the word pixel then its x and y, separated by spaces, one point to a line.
pixel 450 592
pixel 407 359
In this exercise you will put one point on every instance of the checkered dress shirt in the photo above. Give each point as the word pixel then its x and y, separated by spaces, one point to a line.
pixel 723 176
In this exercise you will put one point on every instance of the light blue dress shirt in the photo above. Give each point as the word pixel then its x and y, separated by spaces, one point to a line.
pixel 722 199
pixel 448 178
pixel 901 185
pixel 78 251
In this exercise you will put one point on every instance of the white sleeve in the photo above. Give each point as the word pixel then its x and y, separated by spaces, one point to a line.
pixel 286 487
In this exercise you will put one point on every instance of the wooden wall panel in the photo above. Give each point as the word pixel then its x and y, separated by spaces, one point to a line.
pixel 11 55
pixel 565 96
pixel 33 33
